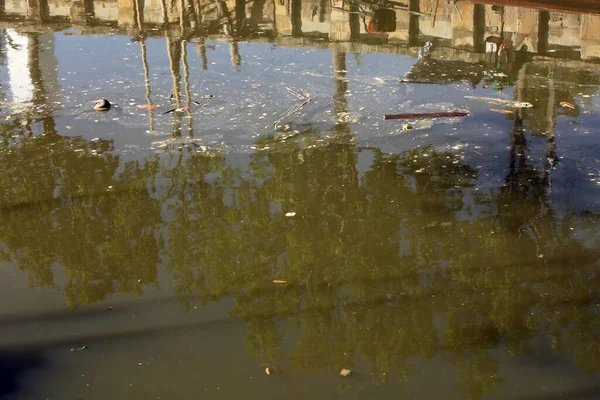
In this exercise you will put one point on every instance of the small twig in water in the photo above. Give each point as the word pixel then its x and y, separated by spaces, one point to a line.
pixel 298 95
pixel 302 96
pixel 293 111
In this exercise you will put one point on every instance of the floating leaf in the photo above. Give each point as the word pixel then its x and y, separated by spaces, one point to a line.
pixel 146 106
pixel 501 111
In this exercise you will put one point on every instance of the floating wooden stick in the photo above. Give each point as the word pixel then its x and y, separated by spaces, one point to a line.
pixel 426 115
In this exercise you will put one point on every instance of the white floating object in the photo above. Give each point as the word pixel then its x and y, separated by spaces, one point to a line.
pixel 290 214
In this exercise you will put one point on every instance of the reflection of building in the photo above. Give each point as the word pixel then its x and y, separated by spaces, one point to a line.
pixel 31 73
pixel 466 24
pixel 17 59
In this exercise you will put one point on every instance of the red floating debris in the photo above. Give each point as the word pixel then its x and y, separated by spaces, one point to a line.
pixel 426 115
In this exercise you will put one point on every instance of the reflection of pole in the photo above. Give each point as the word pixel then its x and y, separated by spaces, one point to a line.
pixel 479 28
pixel 340 82
pixel 126 15
pixel 201 49
pixel 322 9
pixel 240 15
pixel 234 51
pixel 517 147
pixel 256 13
pixel 543 31
pixel 40 97
pixel 174 57
pixel 37 10
pixel 81 11
pixel 227 29
pixel 296 17
pixel 354 21
pixel 340 86
pixel 413 23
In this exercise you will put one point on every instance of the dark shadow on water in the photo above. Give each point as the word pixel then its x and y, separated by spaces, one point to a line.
pixel 582 393
pixel 13 365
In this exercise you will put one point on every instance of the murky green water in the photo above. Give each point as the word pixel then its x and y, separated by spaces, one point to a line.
pixel 244 204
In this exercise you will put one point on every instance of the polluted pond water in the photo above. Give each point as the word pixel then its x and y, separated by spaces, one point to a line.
pixel 296 198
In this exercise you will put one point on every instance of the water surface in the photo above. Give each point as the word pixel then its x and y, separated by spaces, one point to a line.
pixel 244 204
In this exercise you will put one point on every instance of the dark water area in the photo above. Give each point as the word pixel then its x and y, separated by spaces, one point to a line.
pixel 244 207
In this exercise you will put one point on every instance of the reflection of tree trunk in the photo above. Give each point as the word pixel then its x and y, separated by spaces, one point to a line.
pixel 198 8
pixel 186 83
pixel 224 15
pixel 138 11
pixel 550 132
pixel 296 17
pixel 163 7
pixel 147 83
pixel 413 23
pixel 191 13
pixel 479 28
pixel 183 21
pixel 543 31
pixel 174 52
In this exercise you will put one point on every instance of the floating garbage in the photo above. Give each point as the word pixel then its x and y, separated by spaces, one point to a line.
pixel 565 104
pixel 450 114
pixel 102 105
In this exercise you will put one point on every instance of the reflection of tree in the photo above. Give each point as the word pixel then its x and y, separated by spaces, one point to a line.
pixel 65 203
pixel 387 265
pixel 372 262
